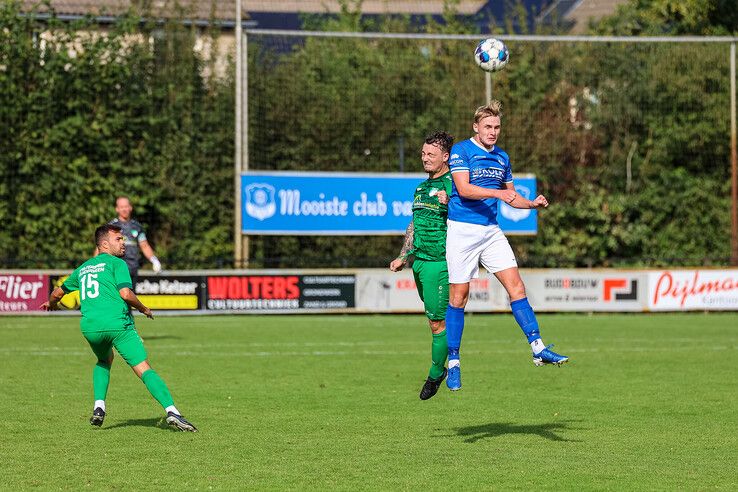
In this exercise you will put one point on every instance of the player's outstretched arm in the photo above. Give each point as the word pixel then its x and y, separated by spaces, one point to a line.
pixel 133 301
pixel 54 299
pixel 407 246
pixel 519 201
pixel 474 192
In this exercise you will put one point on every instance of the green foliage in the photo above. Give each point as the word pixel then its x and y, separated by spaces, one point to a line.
pixel 629 141
pixel 614 133
pixel 88 114
pixel 685 17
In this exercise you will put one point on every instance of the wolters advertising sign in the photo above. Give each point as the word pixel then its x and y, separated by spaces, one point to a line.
pixel 308 203
pixel 280 292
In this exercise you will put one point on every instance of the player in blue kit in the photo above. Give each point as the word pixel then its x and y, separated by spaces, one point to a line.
pixel 482 176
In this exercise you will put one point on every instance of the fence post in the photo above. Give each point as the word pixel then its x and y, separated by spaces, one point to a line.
pixel 733 163
pixel 237 251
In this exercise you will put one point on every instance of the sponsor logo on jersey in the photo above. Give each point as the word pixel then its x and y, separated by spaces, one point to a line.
pixel 491 172
pixel 260 202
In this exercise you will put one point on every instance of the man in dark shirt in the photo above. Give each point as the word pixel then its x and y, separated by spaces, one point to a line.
pixel 135 238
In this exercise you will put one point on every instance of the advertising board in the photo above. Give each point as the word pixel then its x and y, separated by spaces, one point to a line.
pixel 164 292
pixel 683 290
pixel 586 290
pixel 280 292
pixel 385 291
pixel 381 291
pixel 23 292
pixel 311 203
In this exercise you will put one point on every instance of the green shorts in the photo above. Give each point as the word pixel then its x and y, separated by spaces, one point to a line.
pixel 431 278
pixel 126 342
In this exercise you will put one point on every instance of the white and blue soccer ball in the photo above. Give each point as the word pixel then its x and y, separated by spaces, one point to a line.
pixel 491 55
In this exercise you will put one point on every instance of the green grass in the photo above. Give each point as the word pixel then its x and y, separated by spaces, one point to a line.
pixel 649 402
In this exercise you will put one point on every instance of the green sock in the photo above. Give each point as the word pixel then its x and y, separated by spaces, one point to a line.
pixel 157 387
pixel 100 379
pixel 439 352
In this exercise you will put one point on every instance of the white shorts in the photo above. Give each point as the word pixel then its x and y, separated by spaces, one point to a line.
pixel 468 245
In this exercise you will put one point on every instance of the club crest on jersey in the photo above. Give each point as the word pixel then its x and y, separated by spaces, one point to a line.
pixel 516 214
pixel 260 202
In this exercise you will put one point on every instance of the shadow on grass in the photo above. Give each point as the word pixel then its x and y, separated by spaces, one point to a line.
pixel 155 422
pixel 551 431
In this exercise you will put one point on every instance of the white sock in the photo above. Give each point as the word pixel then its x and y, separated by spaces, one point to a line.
pixel 453 363
pixel 537 346
pixel 173 409
pixel 99 404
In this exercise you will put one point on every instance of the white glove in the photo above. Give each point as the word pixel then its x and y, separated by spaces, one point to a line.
pixel 156 264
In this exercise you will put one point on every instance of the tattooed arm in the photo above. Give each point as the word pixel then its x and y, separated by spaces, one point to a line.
pixel 399 262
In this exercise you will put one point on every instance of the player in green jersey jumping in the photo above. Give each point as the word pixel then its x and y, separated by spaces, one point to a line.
pixel 425 240
pixel 104 286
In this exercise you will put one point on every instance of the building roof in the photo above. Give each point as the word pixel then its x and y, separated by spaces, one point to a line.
pixel 465 7
pixel 220 9
pixel 585 10
pixel 226 9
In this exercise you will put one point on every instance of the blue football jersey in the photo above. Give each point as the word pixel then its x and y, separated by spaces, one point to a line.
pixel 487 169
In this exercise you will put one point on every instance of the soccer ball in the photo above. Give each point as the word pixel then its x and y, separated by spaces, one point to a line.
pixel 491 55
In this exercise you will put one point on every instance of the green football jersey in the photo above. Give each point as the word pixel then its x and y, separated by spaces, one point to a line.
pixel 429 219
pixel 99 281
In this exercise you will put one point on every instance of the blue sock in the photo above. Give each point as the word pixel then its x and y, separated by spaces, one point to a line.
pixel 525 317
pixel 454 329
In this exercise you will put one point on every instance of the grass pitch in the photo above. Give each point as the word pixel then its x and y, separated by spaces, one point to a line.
pixel 331 402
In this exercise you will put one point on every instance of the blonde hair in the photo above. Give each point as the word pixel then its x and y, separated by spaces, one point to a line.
pixel 492 108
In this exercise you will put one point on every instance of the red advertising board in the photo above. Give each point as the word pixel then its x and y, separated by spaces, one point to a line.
pixel 22 293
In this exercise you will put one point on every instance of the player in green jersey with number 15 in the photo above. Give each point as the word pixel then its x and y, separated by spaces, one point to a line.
pixel 104 286
pixel 425 240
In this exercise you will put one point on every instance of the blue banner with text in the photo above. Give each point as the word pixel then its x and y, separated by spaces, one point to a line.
pixel 317 203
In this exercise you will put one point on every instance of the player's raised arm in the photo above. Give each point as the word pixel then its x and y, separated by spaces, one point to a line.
pixel 132 300
pixel 407 246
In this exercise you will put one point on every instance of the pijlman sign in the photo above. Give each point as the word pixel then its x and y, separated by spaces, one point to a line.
pixel 348 203
pixel 674 290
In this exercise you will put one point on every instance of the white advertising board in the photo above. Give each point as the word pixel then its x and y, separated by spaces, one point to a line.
pixel 685 290
pixel 385 291
pixel 586 290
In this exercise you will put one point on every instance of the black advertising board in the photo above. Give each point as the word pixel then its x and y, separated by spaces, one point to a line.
pixel 280 292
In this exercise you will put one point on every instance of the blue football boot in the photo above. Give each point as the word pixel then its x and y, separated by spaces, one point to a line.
pixel 547 356
pixel 453 379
